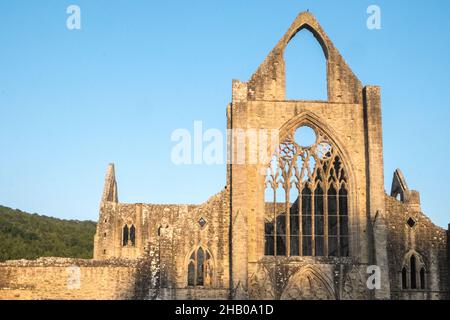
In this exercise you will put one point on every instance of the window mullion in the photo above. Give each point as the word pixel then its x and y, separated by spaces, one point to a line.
pixel 313 222
pixel 338 218
pixel 288 218
pixel 275 221
pixel 195 269
pixel 300 219
pixel 325 215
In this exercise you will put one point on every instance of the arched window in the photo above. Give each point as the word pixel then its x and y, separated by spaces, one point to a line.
pixel 128 236
pixel 133 235
pixel 306 185
pixel 306 68
pixel 125 236
pixel 404 279
pixel 422 278
pixel 200 271
pixel 413 272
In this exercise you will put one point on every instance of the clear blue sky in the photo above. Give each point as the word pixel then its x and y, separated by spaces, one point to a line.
pixel 73 101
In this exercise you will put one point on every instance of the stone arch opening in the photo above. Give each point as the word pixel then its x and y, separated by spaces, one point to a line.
pixel 305 57
pixel 307 199
pixel 200 268
pixel 413 272
pixel 125 234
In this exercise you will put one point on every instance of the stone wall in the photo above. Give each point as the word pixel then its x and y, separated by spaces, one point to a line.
pixel 229 227
pixel 420 237
pixel 350 118
pixel 57 278
pixel 319 278
pixel 169 234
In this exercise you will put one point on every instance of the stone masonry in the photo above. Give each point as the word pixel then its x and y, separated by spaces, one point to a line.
pixel 240 244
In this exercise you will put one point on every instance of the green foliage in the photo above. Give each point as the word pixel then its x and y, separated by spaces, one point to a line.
pixel 30 236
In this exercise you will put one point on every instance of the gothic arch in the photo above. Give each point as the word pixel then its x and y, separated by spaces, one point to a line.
pixel 354 287
pixel 128 232
pixel 204 268
pixel 348 185
pixel 342 84
pixel 413 273
pixel 316 33
pixel 309 284
pixel 260 286
pixel 421 259
pixel 305 67
pixel 310 119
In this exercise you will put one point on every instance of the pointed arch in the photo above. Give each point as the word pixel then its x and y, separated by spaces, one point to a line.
pixel 125 234
pixel 422 278
pixel 200 268
pixel 133 235
pixel 309 284
pixel 413 273
pixel 315 32
pixel 325 198
pixel 306 66
pixel 342 83
pixel 308 118
pixel 404 278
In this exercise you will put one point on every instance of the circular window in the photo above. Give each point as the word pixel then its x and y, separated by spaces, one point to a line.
pixel 305 136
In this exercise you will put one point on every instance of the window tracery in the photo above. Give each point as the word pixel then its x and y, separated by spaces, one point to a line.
pixel 306 199
pixel 200 268
pixel 413 275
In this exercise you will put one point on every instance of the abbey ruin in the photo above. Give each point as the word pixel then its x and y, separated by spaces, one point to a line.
pixel 306 224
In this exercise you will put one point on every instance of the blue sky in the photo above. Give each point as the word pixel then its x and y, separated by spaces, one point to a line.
pixel 71 101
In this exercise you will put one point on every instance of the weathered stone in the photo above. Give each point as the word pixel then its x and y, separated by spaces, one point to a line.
pixel 216 250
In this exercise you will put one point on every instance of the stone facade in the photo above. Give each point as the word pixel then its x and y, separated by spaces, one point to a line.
pixel 222 249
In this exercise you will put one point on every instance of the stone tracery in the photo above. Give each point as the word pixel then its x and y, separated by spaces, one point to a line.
pixel 306 205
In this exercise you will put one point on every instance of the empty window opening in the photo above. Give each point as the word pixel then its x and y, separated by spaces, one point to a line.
pixel 306 205
pixel 159 230
pixel 413 273
pixel 404 279
pixel 305 136
pixel 125 236
pixel 133 235
pixel 422 278
pixel 199 268
pixel 306 68
pixel 411 222
pixel 129 236
pixel 202 222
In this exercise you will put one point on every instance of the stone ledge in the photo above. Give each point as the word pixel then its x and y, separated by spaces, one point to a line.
pixel 66 262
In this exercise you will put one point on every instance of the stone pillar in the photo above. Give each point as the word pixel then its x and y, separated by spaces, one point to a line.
pixel 375 195
pixel 448 262
pixel 238 201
